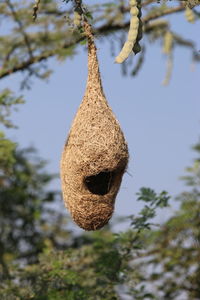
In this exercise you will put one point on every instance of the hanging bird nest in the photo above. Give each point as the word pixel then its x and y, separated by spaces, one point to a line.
pixel 95 155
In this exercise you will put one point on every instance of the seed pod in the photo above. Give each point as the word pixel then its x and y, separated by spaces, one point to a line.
pixel 134 34
pixel 77 18
pixel 167 42
pixel 95 155
pixel 189 14
pixel 168 70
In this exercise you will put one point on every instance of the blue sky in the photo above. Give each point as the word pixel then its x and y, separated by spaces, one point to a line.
pixel 160 123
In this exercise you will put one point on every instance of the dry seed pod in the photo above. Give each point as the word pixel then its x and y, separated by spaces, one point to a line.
pixel 95 155
pixel 133 37
pixel 189 14
pixel 77 18
pixel 137 48
pixel 169 70
pixel 167 42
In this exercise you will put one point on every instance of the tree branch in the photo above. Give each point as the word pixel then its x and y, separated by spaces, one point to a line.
pixel 103 30
pixel 41 57
pixel 21 28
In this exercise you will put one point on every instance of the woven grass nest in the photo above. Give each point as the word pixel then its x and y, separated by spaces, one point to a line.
pixel 95 155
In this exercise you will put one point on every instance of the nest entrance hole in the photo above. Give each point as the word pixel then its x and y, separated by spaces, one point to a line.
pixel 101 183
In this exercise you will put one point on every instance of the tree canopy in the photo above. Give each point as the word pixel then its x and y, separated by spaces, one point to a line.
pixel 26 45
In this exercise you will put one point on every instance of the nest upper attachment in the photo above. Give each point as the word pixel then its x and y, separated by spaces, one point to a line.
pixel 95 155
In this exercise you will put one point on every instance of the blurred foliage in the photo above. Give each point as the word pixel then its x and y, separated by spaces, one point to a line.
pixel 146 261
pixel 8 102
pixel 26 45
pixel 6 155
pixel 93 268
pixel 173 252
pixel 27 224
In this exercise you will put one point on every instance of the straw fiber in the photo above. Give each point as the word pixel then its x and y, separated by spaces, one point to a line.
pixel 95 155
